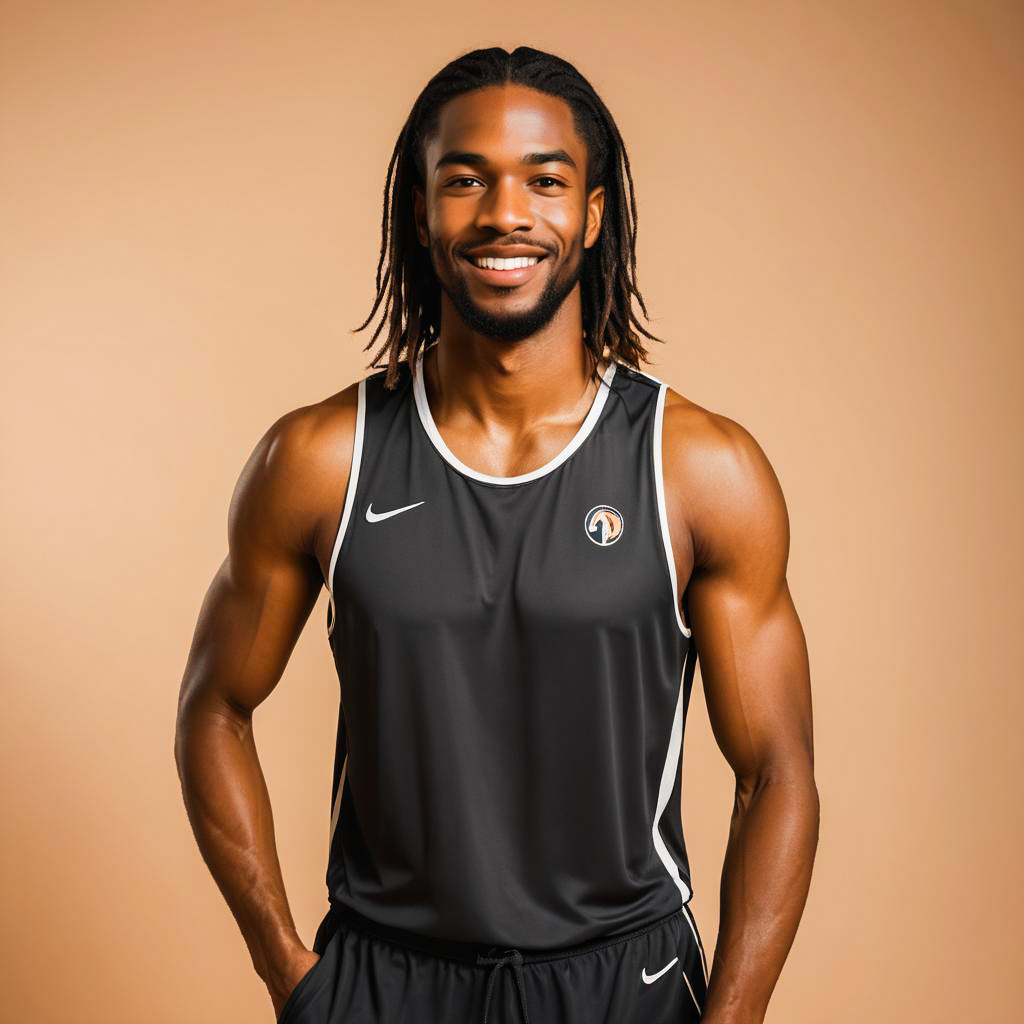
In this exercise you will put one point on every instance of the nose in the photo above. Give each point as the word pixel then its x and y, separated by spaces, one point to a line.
pixel 505 207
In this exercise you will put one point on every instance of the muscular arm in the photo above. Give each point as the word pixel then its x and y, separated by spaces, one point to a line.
pixel 754 666
pixel 250 620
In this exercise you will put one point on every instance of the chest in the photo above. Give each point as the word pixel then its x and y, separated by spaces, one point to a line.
pixel 544 557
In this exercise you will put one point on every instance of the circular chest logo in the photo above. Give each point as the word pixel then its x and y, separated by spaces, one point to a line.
pixel 603 525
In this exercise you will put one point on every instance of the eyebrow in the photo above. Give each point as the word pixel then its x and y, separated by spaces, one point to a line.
pixel 457 156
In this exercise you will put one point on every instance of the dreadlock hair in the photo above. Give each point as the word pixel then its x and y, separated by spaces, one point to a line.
pixel 408 286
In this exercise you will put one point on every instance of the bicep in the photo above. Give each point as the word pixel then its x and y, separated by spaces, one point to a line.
pixel 262 594
pixel 751 645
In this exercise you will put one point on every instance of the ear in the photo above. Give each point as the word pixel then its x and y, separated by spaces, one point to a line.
pixel 595 213
pixel 419 212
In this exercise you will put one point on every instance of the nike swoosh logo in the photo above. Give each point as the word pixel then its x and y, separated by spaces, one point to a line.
pixel 648 978
pixel 376 517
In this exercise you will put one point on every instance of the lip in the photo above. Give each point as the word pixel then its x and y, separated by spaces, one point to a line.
pixel 504 278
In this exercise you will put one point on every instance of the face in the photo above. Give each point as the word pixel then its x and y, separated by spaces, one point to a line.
pixel 506 180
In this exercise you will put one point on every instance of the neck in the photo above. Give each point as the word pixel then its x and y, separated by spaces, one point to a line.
pixel 512 387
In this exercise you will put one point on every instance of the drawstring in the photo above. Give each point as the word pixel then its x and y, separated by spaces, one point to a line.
pixel 515 958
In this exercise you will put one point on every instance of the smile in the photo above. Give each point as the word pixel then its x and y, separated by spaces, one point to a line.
pixel 497 263
pixel 505 272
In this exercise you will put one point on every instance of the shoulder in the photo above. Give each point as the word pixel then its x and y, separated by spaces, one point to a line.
pixel 306 443
pixel 293 476
pixel 720 478
pixel 308 439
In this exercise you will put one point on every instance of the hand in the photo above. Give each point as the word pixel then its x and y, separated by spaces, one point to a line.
pixel 285 977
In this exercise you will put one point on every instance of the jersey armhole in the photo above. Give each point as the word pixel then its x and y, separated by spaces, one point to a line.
pixel 350 496
pixel 659 482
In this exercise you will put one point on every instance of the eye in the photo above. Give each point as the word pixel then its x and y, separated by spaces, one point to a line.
pixel 554 181
pixel 457 181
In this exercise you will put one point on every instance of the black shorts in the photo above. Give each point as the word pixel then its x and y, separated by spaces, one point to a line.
pixel 371 974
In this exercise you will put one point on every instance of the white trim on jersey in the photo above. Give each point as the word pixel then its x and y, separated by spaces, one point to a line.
pixel 700 947
pixel 667 784
pixel 337 805
pixel 350 496
pixel 659 480
pixel 427 419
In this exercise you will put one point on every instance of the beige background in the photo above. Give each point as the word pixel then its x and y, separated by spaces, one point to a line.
pixel 830 239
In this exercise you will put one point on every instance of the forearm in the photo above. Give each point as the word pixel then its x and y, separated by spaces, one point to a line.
pixel 765 879
pixel 229 807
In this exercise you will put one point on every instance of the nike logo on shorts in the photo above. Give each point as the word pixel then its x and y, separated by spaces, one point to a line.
pixel 648 978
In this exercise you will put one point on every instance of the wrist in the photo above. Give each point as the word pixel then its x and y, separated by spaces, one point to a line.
pixel 272 951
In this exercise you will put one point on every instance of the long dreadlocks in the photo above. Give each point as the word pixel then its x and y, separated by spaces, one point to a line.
pixel 408 286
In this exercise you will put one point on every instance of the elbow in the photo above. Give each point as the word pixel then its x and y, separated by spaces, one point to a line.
pixel 785 767
pixel 205 719
pixel 791 775
pixel 186 723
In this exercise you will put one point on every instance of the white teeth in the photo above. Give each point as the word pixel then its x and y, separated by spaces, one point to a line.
pixel 494 263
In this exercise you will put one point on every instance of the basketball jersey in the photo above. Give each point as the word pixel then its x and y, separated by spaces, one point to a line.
pixel 515 674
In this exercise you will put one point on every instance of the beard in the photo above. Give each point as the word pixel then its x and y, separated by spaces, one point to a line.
pixel 516 326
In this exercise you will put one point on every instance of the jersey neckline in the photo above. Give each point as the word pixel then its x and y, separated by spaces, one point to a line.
pixel 585 428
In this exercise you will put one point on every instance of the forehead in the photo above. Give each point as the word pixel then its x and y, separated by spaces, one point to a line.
pixel 503 123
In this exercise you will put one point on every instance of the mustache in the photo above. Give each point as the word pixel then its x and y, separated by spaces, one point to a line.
pixel 533 243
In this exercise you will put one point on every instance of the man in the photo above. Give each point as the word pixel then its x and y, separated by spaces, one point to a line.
pixel 526 540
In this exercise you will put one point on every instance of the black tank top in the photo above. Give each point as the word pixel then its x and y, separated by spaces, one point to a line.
pixel 515 674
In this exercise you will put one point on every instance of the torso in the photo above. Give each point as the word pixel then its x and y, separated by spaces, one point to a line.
pixel 511 657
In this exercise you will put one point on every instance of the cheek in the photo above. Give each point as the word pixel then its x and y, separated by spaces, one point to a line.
pixel 569 224
pixel 448 219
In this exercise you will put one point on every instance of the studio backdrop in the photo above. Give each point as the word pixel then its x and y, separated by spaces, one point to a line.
pixel 830 243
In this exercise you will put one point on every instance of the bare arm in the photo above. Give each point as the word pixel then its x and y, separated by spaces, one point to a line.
pixel 250 620
pixel 754 665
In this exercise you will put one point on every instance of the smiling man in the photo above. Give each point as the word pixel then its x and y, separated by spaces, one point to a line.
pixel 506 289
pixel 526 541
